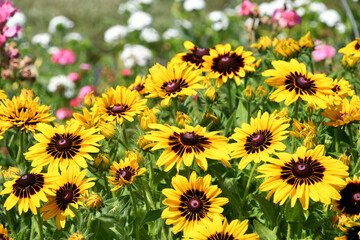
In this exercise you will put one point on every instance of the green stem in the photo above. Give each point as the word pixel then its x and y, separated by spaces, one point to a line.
pixel 229 96
pixel 125 137
pixel 296 110
pixel 106 183
pixel 39 225
pixel 348 126
pixel 32 233
pixel 356 167
pixel 89 220
pixel 10 222
pixel 137 233
pixel 19 157
pixel 148 194
pixel 248 111
pixel 248 185
pixel 151 175
pixel 311 62
pixel 163 233
pixel 288 235
pixel 337 140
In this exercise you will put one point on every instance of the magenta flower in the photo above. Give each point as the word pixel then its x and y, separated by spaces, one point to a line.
pixel 246 8
pixel 85 90
pixel 2 39
pixel 63 113
pixel 7 10
pixel 85 66
pixel 322 51
pixel 126 72
pixel 73 76
pixel 10 32
pixel 75 102
pixel 63 57
pixel 286 18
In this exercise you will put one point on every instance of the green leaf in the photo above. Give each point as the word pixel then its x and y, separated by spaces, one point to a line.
pixel 264 232
pixel 241 114
pixel 269 209
pixel 295 214
pixel 102 228
pixel 152 215
pixel 230 123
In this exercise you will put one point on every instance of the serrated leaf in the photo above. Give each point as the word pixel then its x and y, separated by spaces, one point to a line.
pixel 151 215
pixel 263 232
pixel 295 214
pixel 269 209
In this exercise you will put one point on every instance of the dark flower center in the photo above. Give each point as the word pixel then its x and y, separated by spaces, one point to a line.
pixel 343 116
pixel 26 180
pixel 126 174
pixel 226 62
pixel 257 140
pixel 302 83
pixel 355 199
pixel 195 205
pixel 172 87
pixel 302 170
pixel 66 196
pixel 357 46
pixel 63 144
pixel 335 88
pixel 200 52
pixel 189 138
pixel 138 88
pixel 118 109
pixel 1 238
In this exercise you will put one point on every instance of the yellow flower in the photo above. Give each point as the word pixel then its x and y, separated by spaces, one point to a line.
pixel 345 159
pixel 134 155
pixel 263 43
pixel 147 117
pixel 182 119
pixel 143 143
pixel 306 41
pixel 210 94
pixel 349 60
pixel 352 48
pixel 287 48
pixel 27 93
pixel 11 172
pixel 311 107
pixel 76 236
pixel 249 92
pixel 94 201
pixel 89 99
pixel 102 161
pixel 4 233
pixel 261 92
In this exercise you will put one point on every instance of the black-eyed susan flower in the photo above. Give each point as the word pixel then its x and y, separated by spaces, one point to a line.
pixel 71 188
pixel 24 112
pixel 63 146
pixel 351 234
pixel 348 61
pixel 76 236
pixel 124 172
pixel 343 114
pixel 139 85
pixel 349 203
pixel 223 64
pixel 4 233
pixel 304 175
pixel 89 99
pixel 28 189
pixel 306 41
pixel 94 201
pixel 134 155
pixel 263 43
pixel 191 202
pixel 187 144
pixel 220 229
pixel 287 48
pixel 307 131
pixel 352 48
pixel 117 105
pixel 255 142
pixel 2 94
pixel 341 89
pixel 293 81
pixel 195 58
pixel 173 81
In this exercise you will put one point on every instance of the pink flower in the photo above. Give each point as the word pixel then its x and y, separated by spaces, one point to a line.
pixel 13 53
pixel 126 72
pixel 285 18
pixel 63 57
pixel 63 113
pixel 7 10
pixel 12 31
pixel 75 102
pixel 74 76
pixel 246 8
pixel 322 51
pixel 2 39
pixel 85 66
pixel 85 90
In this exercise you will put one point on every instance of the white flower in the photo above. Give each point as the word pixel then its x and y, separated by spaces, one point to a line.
pixel 130 6
pixel 268 8
pixel 114 33
pixel 183 23
pixel 73 36
pixel 51 50
pixel 171 33
pixel 330 17
pixel 135 54
pixel 317 7
pixel 138 20
pixel 62 83
pixel 340 27
pixel 300 11
pixel 41 38
pixel 60 20
pixel 219 19
pixel 17 19
pixel 299 3
pixel 190 5
pixel 149 35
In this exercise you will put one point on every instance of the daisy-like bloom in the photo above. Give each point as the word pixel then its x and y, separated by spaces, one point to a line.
pixel 182 119
pixel 2 94
pixel 263 43
pixel 348 204
pixel 124 172
pixel 195 58
pixel 24 112
pixel 352 48
pixel 173 81
pixel 348 61
pixel 304 175
pixel 183 145
pixel 63 146
pixel 28 189
pixel 191 202
pixel 343 114
pixel 70 190
pixel 287 48
pixel 222 63
pixel 307 131
pixel 4 233
pixel 139 85
pixel 148 117
pixel 306 41
pixel 220 229
pixel 119 104
pixel 341 89
pixel 351 234
pixel 255 142
pixel 293 81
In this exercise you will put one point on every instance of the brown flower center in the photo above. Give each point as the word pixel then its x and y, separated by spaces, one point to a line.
pixel 302 83
pixel 302 170
pixel 226 62
pixel 200 52
pixel 26 180
pixel 189 138
pixel 172 87
pixel 63 144
pixel 343 116
pixel 355 199
pixel 257 140
pixel 118 109
pixel 138 88
pixel 195 205
pixel 126 174
pixel 66 196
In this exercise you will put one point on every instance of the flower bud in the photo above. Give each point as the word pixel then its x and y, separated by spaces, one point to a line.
pixel 311 108
pixel 249 92
pixel 134 155
pixel 89 99
pixel 94 201
pixel 261 92
pixel 211 94
pixel 76 236
pixel 107 129
pixel 345 159
pixel 144 144
pixel 147 117
pixel 101 161
pixel 182 119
